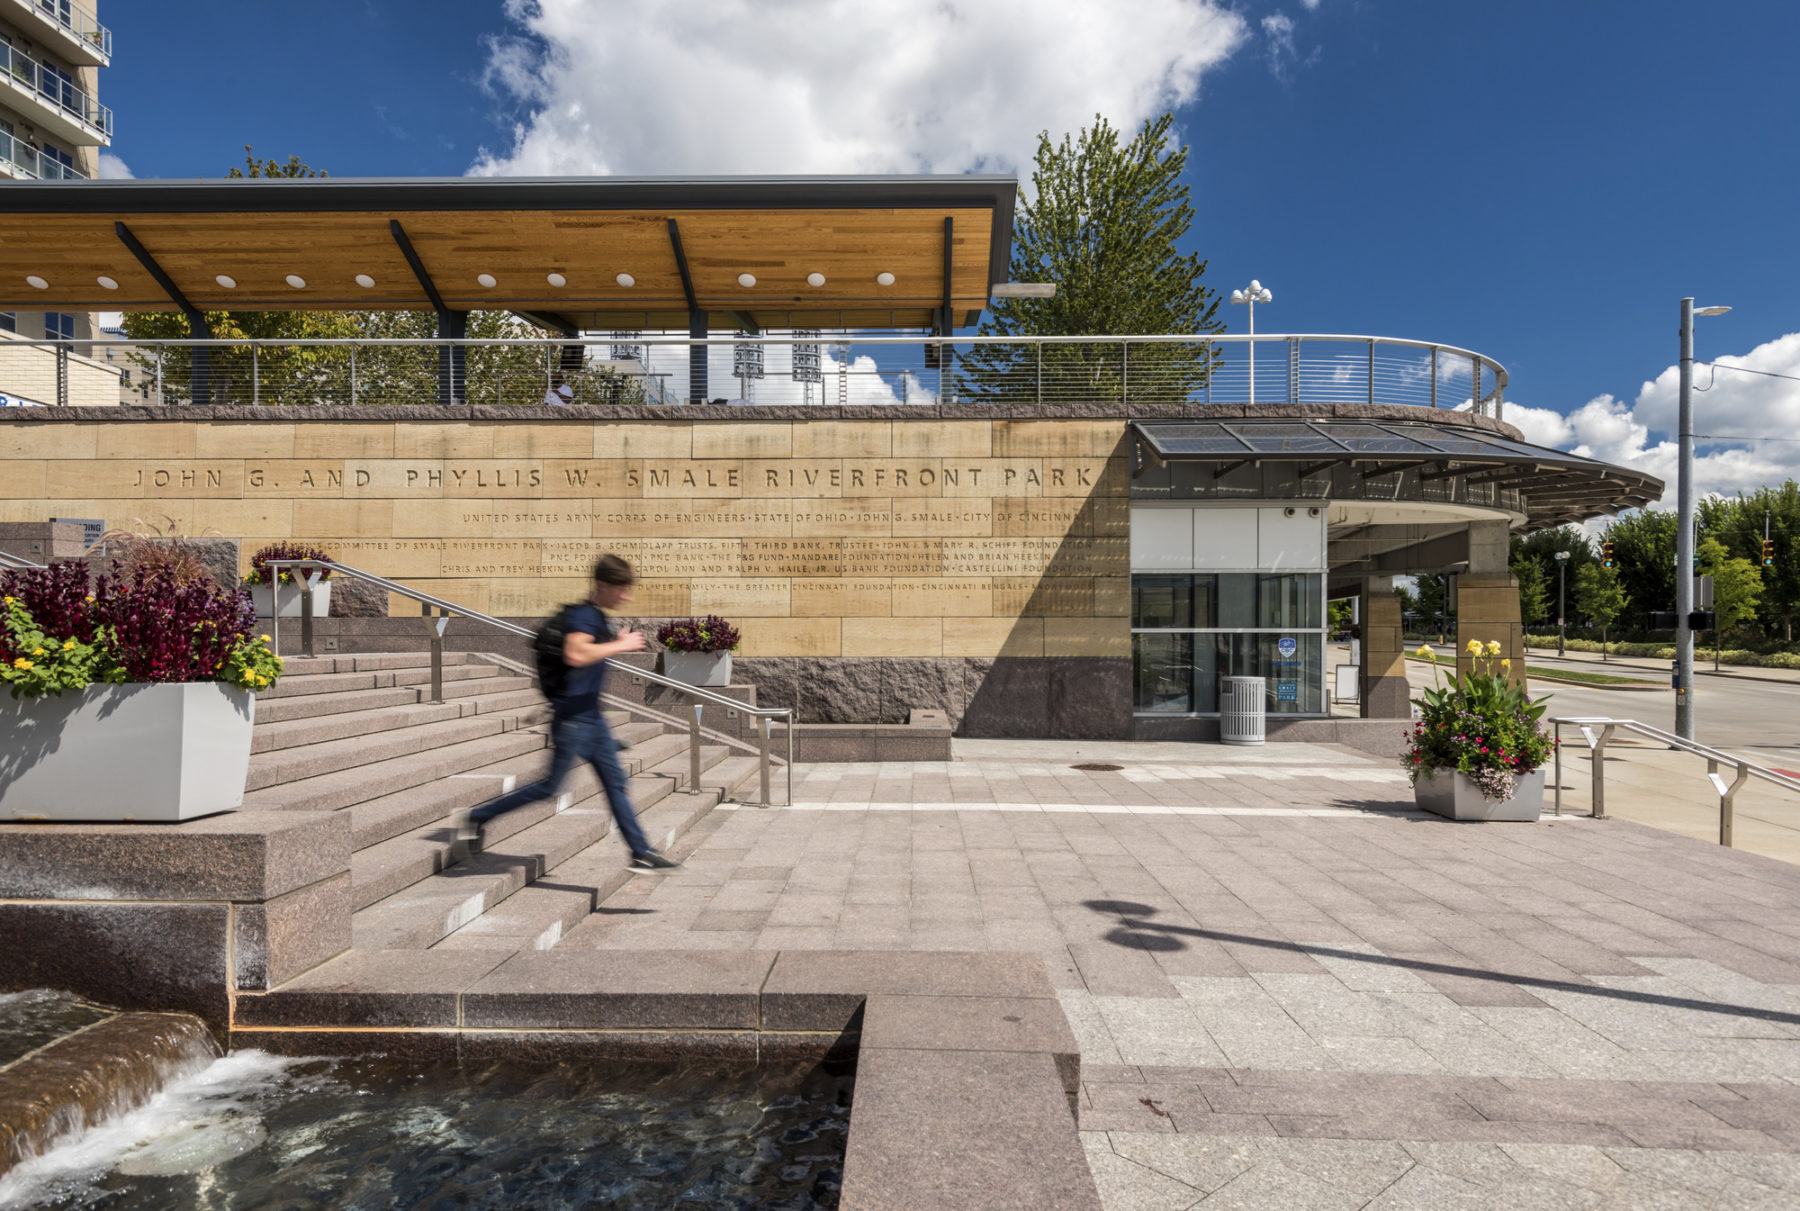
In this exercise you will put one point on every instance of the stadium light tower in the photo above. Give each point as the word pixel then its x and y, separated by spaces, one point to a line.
pixel 1250 297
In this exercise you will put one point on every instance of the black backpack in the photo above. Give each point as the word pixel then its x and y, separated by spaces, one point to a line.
pixel 547 651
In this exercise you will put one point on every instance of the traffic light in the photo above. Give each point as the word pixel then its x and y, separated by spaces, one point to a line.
pixel 1768 552
pixel 1606 555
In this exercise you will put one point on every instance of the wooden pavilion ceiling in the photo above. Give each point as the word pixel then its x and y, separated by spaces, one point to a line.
pixel 590 231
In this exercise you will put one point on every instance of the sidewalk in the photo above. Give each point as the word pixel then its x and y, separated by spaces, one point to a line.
pixel 1290 989
pixel 1659 669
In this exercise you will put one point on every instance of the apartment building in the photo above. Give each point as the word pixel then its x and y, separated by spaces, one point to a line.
pixel 52 125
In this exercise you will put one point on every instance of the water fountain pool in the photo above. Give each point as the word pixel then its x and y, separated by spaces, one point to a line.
pixel 252 1130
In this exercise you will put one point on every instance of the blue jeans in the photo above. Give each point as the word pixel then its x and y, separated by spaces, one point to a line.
pixel 581 739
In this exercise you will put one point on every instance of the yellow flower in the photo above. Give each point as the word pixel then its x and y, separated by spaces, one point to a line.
pixel 90 597
pixel 1506 666
pixel 22 663
pixel 1493 648
pixel 1474 648
pixel 266 639
pixel 68 645
pixel 37 651
pixel 1425 651
pixel 10 600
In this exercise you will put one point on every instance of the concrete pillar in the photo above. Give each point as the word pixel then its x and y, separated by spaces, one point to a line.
pixel 1487 600
pixel 1385 692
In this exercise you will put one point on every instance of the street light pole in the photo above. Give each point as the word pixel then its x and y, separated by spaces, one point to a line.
pixel 1684 534
pixel 1562 580
pixel 1255 293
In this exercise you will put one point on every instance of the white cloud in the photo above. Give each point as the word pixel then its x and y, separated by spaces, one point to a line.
pixel 835 86
pixel 1745 424
pixel 1311 6
pixel 1278 29
pixel 112 168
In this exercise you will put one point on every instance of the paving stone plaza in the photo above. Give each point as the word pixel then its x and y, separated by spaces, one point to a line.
pixel 1292 990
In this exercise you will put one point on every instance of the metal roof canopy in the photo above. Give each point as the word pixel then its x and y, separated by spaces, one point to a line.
pixel 945 239
pixel 1557 486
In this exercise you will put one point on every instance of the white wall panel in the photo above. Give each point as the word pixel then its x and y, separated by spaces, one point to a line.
pixel 1290 544
pixel 1162 538
pixel 1224 539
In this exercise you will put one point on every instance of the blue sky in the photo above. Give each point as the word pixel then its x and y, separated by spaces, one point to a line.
pixel 1538 181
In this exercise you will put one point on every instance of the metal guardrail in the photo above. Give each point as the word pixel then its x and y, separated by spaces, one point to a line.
pixel 74 20
pixel 438 612
pixel 20 158
pixel 1597 741
pixel 800 368
pixel 54 88
pixel 17 561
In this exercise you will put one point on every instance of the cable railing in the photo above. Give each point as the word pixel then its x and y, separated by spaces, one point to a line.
pixel 789 369
pixel 1598 731
pixel 308 573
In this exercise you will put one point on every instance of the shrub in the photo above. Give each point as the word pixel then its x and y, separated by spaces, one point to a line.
pixel 709 634
pixel 155 548
pixel 139 625
pixel 259 571
pixel 1481 725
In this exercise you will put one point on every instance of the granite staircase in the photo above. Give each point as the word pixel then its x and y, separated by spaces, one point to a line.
pixel 358 734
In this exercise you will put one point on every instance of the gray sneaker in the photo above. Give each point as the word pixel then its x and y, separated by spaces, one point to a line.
pixel 651 860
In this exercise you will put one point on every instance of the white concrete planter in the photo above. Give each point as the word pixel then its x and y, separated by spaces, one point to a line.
pixel 698 668
pixel 289 597
pixel 1448 793
pixel 152 753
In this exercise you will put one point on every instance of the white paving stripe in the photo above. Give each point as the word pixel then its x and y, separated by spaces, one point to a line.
pixel 1110 809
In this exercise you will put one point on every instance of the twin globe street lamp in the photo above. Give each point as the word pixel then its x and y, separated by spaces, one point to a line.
pixel 1254 294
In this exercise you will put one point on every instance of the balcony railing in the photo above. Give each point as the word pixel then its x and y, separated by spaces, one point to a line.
pixel 54 88
pixel 21 159
pixel 76 21
pixel 847 369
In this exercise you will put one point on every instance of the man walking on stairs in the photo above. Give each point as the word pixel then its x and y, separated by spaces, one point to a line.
pixel 578 730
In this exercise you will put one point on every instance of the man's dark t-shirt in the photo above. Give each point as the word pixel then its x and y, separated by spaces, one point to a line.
pixel 581 690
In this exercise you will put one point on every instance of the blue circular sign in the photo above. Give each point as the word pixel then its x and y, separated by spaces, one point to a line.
pixel 1287 646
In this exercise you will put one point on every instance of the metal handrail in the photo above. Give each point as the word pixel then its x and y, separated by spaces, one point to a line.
pixel 1746 769
pixel 1363 369
pixel 8 560
pixel 435 625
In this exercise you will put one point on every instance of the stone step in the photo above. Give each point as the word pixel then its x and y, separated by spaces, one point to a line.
pixel 538 916
pixel 355 752
pixel 278 710
pixel 375 679
pixel 433 907
pixel 314 729
pixel 341 788
pixel 367 662
pixel 415 807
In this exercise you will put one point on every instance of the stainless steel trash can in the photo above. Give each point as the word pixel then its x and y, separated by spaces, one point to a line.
pixel 1241 710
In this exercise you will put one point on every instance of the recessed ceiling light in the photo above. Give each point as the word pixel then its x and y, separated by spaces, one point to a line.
pixel 556 279
pixel 626 280
pixel 746 280
pixel 229 283
pixel 486 279
pixel 106 283
pixel 815 279
pixel 36 282
pixel 886 279
pixel 296 281
pixel 365 281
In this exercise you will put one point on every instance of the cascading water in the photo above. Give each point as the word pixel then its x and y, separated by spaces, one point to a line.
pixel 250 1130
pixel 68 1066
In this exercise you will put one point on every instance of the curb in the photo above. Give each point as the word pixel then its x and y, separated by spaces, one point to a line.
pixel 1586 685
pixel 1766 680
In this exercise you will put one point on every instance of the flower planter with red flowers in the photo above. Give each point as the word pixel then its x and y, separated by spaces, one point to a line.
pixel 697 651
pixel 129 699
pixel 1477 751
pixel 282 599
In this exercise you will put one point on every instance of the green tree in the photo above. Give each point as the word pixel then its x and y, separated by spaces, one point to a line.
pixel 1737 587
pixel 1103 220
pixel 1534 600
pixel 1644 547
pixel 1739 522
pixel 1434 601
pixel 1542 548
pixel 1599 597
